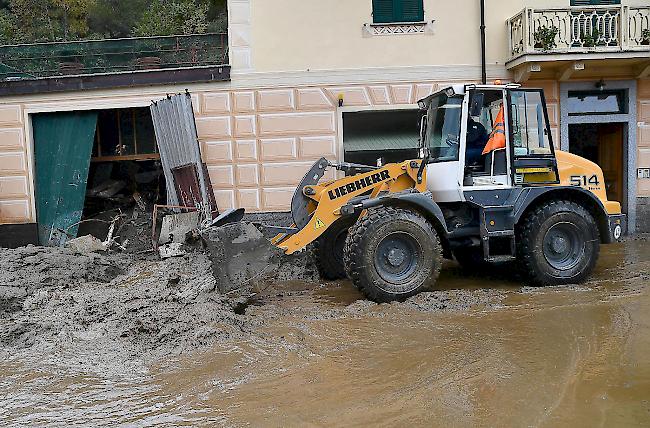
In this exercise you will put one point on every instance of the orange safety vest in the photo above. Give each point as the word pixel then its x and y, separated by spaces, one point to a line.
pixel 497 136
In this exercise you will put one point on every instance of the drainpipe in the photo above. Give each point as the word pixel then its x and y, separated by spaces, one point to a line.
pixel 483 67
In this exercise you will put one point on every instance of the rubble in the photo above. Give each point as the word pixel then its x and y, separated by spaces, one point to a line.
pixel 85 244
pixel 28 269
pixel 137 303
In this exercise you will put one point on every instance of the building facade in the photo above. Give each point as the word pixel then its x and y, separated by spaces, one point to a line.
pixel 309 78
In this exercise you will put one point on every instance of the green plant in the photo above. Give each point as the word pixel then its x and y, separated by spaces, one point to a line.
pixel 545 37
pixel 645 36
pixel 164 18
pixel 589 40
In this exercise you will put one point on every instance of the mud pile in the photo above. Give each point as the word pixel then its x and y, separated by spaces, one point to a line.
pixel 134 306
pixel 28 269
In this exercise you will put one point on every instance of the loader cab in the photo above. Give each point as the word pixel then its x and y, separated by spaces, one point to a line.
pixel 481 137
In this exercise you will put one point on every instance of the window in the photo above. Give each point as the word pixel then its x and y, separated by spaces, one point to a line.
pixel 443 128
pixel 124 134
pixel 485 106
pixel 596 102
pixel 387 11
pixel 594 2
pixel 389 134
pixel 529 128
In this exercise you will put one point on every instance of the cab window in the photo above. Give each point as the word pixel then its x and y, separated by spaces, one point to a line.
pixel 443 127
pixel 529 130
pixel 484 109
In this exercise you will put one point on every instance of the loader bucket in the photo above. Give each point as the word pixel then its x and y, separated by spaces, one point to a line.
pixel 241 256
pixel 244 261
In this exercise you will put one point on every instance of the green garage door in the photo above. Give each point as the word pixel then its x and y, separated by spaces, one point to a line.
pixel 62 146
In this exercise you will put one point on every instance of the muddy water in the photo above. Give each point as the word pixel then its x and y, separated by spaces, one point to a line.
pixel 483 351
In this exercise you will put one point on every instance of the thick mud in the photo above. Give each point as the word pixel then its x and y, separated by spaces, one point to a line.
pixel 141 342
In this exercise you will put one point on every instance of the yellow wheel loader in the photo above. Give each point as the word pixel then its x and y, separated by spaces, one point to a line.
pixel 488 187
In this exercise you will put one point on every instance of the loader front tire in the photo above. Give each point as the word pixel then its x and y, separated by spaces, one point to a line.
pixel 392 253
pixel 328 249
pixel 558 243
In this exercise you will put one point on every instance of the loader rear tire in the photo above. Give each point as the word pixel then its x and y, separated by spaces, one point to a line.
pixel 328 249
pixel 558 243
pixel 392 253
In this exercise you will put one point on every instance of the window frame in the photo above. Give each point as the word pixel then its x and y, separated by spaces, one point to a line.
pixel 530 160
pixel 396 18
pixel 621 100
pixel 587 3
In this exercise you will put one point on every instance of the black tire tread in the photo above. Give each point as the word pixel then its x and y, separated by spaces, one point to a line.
pixel 526 248
pixel 328 267
pixel 354 250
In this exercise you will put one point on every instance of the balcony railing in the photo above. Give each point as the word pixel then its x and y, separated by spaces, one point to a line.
pixel 32 61
pixel 580 29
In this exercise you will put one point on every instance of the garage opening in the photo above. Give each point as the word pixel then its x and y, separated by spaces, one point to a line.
pixel 603 144
pixel 388 134
pixel 93 167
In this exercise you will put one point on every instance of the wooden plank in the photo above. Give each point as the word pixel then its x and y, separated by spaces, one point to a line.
pixel 147 156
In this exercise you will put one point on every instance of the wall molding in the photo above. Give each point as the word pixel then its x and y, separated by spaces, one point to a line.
pixel 425 27
pixel 240 35
pixel 445 73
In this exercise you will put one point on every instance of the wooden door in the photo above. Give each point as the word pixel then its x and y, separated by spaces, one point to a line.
pixel 610 158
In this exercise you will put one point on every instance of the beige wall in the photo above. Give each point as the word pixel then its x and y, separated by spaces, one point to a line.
pixel 257 142
pixel 260 132
pixel 15 181
pixel 316 34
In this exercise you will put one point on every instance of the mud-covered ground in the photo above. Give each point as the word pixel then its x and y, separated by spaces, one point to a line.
pixel 95 340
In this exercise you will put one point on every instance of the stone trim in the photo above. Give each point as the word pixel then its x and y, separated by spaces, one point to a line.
pixel 630 152
pixel 424 27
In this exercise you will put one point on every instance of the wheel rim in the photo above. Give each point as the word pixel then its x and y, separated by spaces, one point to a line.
pixel 563 246
pixel 396 258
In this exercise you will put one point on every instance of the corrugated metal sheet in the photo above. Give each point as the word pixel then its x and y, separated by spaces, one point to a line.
pixel 178 144
pixel 392 141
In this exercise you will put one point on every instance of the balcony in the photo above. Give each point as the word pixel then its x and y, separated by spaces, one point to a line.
pixel 44 67
pixel 578 33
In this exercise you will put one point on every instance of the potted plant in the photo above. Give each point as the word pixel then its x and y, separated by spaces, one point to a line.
pixel 590 40
pixel 645 37
pixel 545 37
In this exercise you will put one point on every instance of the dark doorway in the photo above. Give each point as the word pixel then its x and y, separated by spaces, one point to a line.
pixel 603 144
pixel 93 167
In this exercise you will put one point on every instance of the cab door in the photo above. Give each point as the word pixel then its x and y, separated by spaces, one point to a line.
pixel 531 144
pixel 486 163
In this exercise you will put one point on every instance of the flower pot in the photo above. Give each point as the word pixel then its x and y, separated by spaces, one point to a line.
pixel 645 42
pixel 148 63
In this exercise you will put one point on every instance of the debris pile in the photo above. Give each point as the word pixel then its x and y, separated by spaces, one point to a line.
pixel 29 269
pixel 54 297
pixel 159 306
